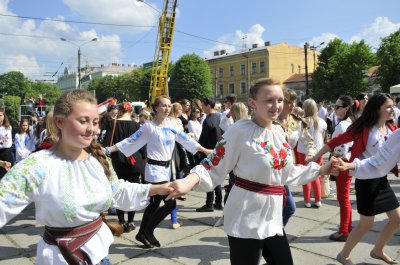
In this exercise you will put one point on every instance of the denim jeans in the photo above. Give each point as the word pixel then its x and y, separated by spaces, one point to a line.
pixel 289 208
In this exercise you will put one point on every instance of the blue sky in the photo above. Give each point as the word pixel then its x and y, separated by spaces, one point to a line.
pixel 33 46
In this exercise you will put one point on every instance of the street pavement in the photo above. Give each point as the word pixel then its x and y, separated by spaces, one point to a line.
pixel 199 242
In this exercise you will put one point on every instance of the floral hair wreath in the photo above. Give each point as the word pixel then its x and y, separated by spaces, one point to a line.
pixel 126 106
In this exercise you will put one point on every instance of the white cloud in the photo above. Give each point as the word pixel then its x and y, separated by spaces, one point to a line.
pixel 323 38
pixel 124 12
pixel 233 42
pixel 381 27
pixel 36 57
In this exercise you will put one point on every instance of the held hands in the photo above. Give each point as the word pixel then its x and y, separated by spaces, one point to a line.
pixel 182 186
pixel 6 165
pixel 309 159
pixel 340 165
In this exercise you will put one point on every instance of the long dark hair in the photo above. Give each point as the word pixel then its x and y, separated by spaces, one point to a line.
pixel 370 115
pixel 348 102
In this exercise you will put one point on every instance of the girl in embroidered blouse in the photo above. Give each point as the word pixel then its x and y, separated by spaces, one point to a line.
pixel 24 141
pixel 260 157
pixel 159 136
pixel 5 141
pixel 76 179
pixel 374 195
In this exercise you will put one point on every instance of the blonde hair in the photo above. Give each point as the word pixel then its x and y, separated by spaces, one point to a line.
pixel 175 109
pixel 311 112
pixel 255 87
pixel 289 94
pixel 64 107
pixel 239 111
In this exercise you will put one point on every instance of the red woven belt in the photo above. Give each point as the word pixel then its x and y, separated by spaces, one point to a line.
pixel 261 188
pixel 70 240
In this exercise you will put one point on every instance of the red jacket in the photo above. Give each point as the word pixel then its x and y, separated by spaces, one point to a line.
pixel 360 140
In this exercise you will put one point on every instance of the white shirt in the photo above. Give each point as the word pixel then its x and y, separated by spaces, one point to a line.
pixel 343 149
pixel 382 162
pixel 248 150
pixel 5 137
pixel 160 142
pixel 67 193
pixel 317 135
pixel 194 126
pixel 24 145
pixel 322 112
pixel 225 122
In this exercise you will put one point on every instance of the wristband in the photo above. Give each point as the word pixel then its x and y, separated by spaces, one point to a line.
pixel 107 151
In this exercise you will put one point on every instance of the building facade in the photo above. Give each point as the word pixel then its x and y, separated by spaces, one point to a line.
pixel 233 73
pixel 69 81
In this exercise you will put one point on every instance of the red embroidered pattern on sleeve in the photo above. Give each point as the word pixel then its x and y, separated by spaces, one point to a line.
pixel 216 156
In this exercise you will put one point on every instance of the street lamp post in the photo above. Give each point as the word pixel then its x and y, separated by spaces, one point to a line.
pixel 4 100
pixel 314 48
pixel 79 56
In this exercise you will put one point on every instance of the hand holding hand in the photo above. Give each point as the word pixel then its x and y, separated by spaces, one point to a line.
pixel 161 189
pixel 182 186
pixel 6 165
pixel 309 159
pixel 340 165
pixel 326 168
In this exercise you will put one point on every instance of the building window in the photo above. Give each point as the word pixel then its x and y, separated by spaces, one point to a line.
pixel 231 71
pixel 242 69
pixel 243 88
pixel 299 68
pixel 262 67
pixel 292 68
pixel 221 72
pixel 254 68
pixel 221 89
pixel 232 88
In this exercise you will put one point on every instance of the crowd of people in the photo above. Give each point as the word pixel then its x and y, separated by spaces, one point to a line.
pixel 122 162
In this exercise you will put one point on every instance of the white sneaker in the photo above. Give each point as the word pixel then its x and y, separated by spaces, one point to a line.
pixel 318 204
pixel 308 205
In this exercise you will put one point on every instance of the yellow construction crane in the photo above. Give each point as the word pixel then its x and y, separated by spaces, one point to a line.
pixel 159 74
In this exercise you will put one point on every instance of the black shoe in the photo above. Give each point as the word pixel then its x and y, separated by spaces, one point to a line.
pixel 152 239
pixel 218 206
pixel 205 208
pixel 338 237
pixel 128 227
pixel 142 239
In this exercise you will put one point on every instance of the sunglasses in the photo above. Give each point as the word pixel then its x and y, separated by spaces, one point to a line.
pixel 339 106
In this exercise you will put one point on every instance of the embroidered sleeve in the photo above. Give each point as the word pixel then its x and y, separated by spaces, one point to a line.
pixel 381 163
pixel 128 196
pixel 136 141
pixel 18 186
pixel 214 168
pixel 188 143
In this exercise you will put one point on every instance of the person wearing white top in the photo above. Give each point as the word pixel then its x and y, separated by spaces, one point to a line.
pixel 24 141
pixel 260 157
pixel 317 129
pixel 194 124
pixel 322 111
pixel 71 185
pixel 226 118
pixel 5 141
pixel 159 136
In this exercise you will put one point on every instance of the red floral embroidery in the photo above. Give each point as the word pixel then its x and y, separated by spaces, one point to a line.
pixel 263 144
pixel 220 151
pixel 206 165
pixel 215 160
pixel 276 163
pixel 286 145
pixel 273 153
pixel 282 154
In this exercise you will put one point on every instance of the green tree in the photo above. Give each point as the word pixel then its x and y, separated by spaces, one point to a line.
pixel 388 55
pixel 50 92
pixel 12 104
pixel 342 70
pixel 190 78
pixel 14 83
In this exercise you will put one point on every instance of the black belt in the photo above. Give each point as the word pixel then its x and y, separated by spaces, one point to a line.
pixel 159 163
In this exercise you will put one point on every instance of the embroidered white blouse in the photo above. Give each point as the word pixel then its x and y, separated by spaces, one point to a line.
pixel 5 137
pixel 160 143
pixel 67 194
pixel 379 165
pixel 260 155
pixel 24 145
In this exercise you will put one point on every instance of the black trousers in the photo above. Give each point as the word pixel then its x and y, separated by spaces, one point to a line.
pixel 218 196
pixel 5 155
pixel 275 250
pixel 154 214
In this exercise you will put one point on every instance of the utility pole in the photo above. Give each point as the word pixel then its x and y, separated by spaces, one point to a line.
pixel 79 67
pixel 306 66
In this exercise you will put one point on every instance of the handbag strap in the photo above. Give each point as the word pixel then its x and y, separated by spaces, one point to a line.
pixel 113 131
